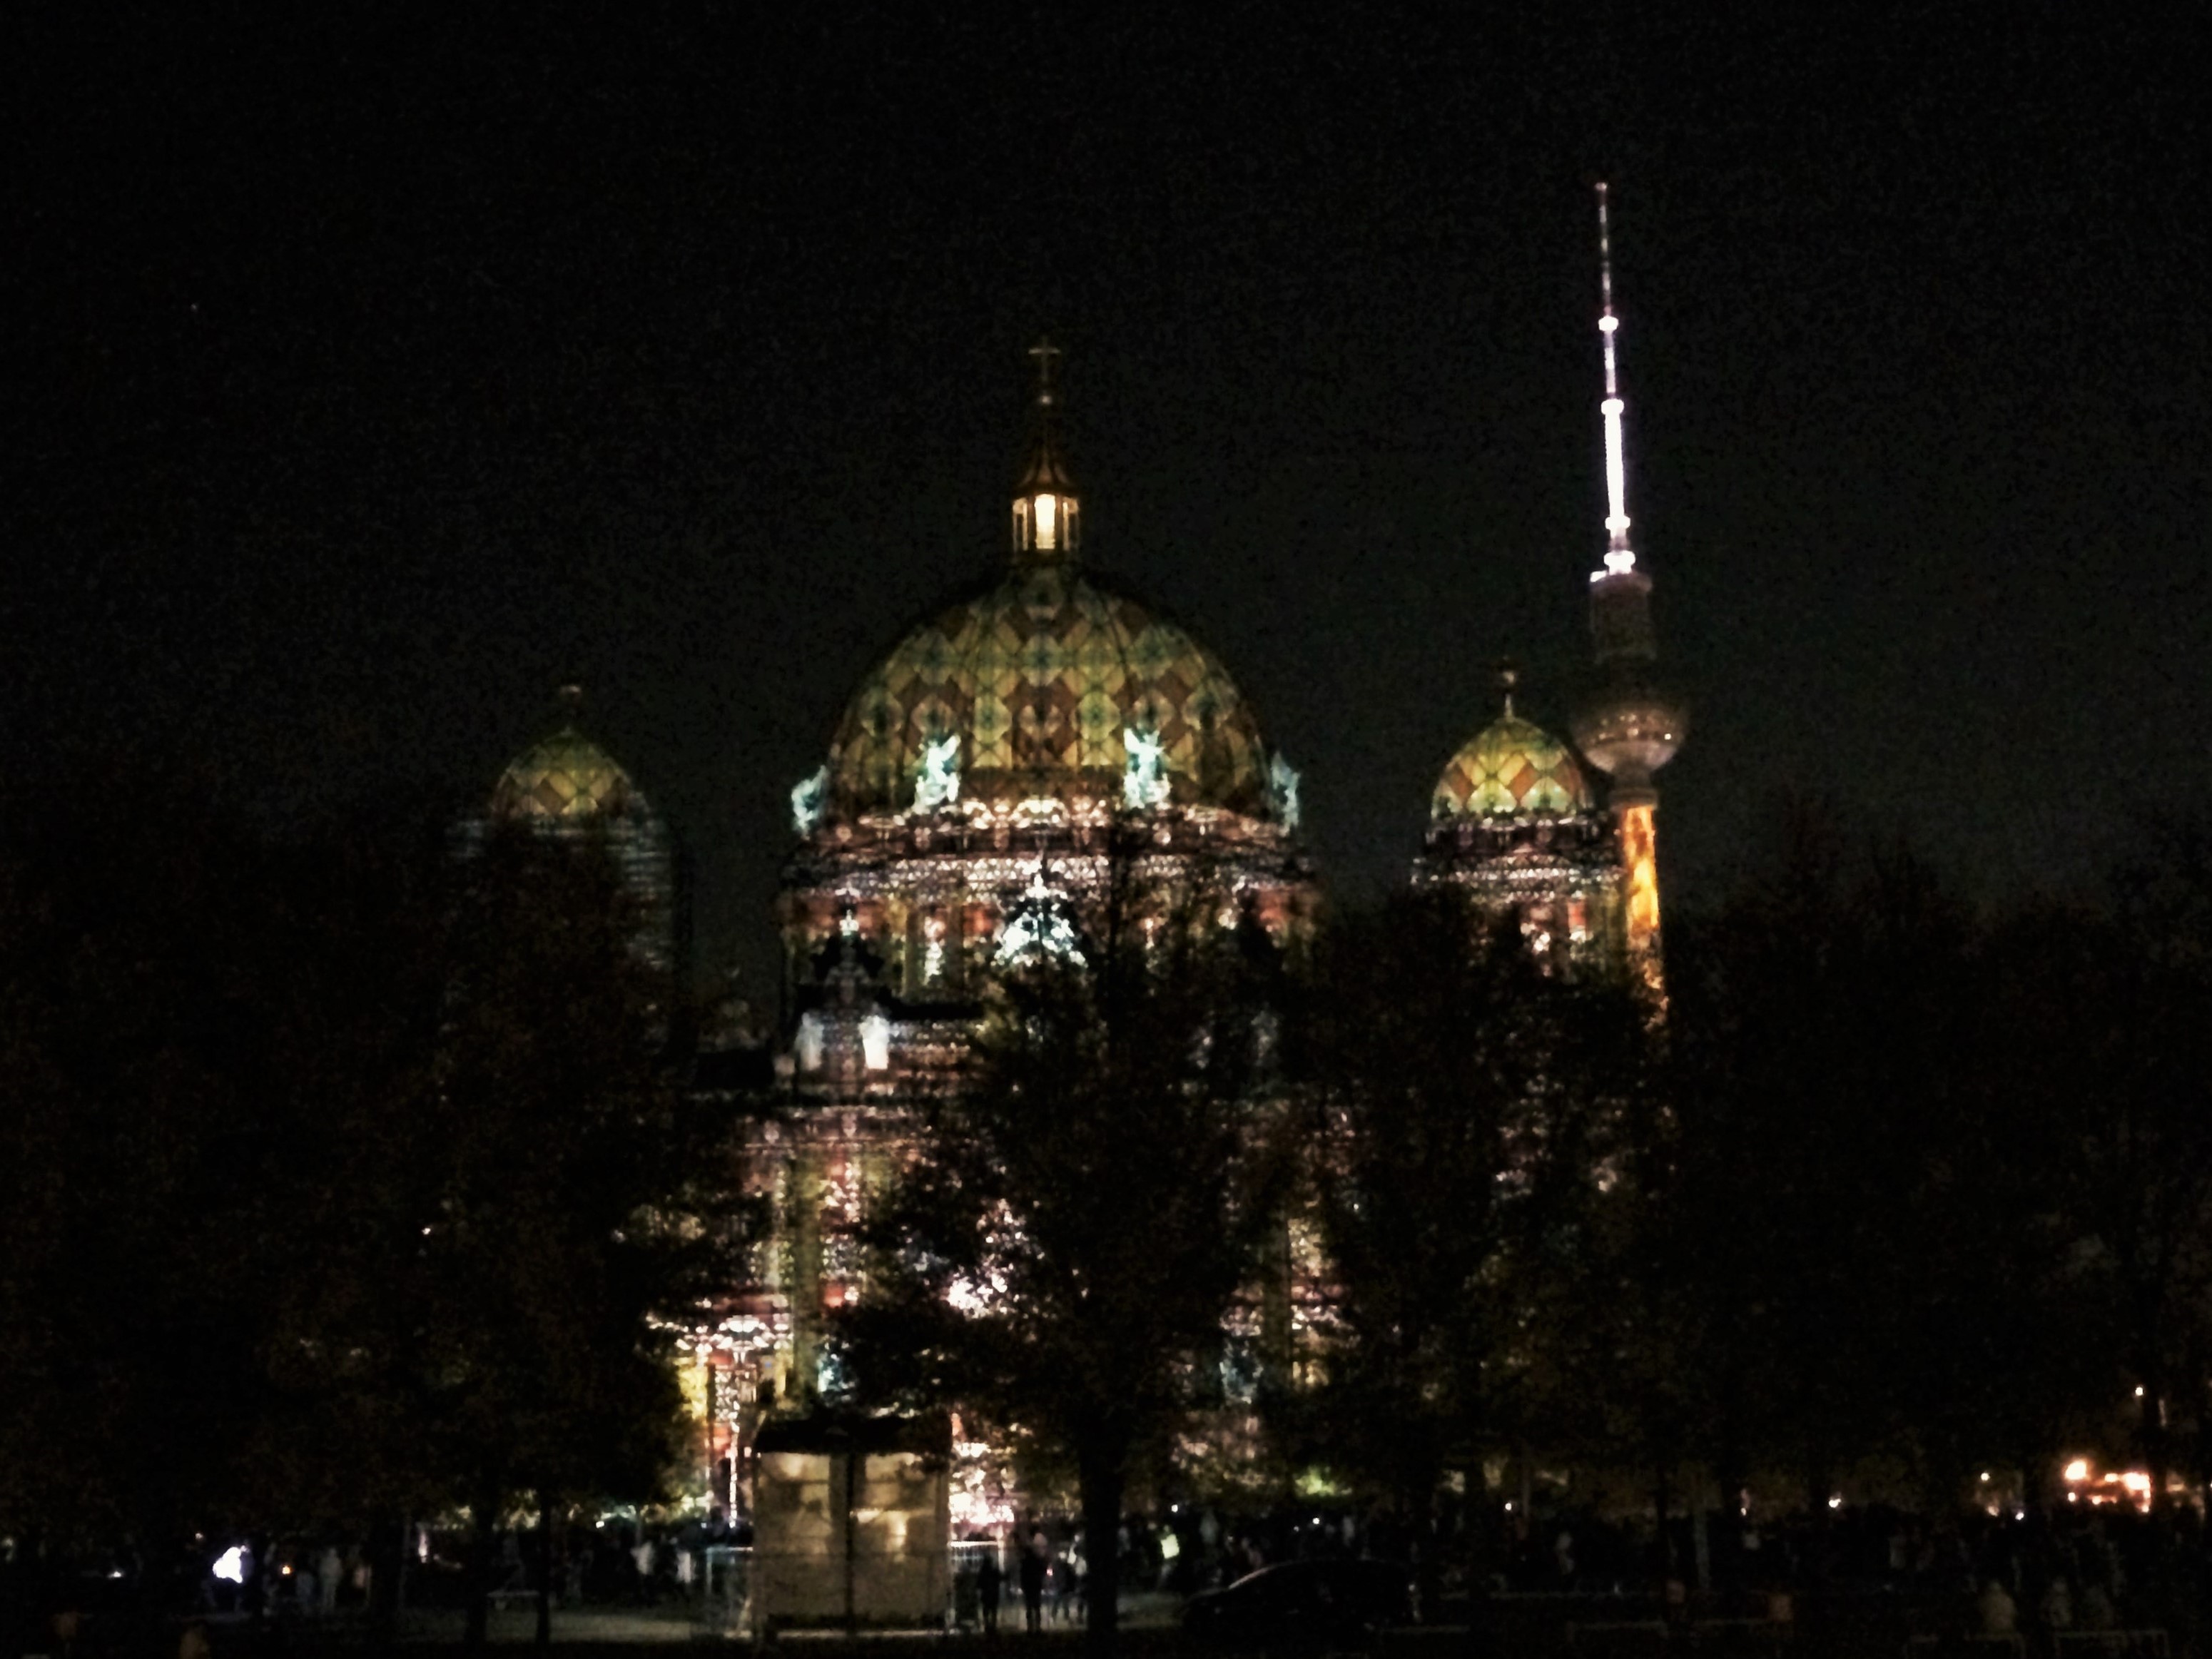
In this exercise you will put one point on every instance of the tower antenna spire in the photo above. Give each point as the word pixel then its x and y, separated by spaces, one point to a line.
pixel 1619 557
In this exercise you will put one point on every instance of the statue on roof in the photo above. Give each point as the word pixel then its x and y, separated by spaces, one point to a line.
pixel 937 781
pixel 1283 791
pixel 809 797
pixel 1145 782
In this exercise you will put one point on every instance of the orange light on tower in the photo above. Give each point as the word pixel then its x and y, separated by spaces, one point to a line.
pixel 1639 861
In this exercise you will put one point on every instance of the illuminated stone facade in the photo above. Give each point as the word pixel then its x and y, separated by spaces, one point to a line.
pixel 1028 740
pixel 1034 739
pixel 1512 824
pixel 1039 739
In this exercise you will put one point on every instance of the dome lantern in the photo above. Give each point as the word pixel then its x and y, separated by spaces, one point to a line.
pixel 1046 521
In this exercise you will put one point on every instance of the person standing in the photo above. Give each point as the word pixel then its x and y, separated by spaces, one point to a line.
pixel 1067 1584
pixel 990 1580
pixel 1033 1572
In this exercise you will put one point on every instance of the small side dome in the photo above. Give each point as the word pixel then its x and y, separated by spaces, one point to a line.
pixel 565 780
pixel 565 776
pixel 566 790
pixel 1511 769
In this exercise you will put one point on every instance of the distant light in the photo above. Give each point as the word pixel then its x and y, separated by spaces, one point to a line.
pixel 1837 1501
pixel 2078 1469
pixel 1048 513
pixel 1509 1506
pixel 2138 1390
pixel 1316 1520
pixel 1985 1474
pixel 1606 324
pixel 230 1565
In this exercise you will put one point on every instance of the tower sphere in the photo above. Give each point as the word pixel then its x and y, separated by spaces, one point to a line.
pixel 1629 732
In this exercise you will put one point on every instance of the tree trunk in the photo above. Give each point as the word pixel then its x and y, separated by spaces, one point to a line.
pixel 1819 1486
pixel 2035 1481
pixel 387 1560
pixel 545 1638
pixel 1524 1519
pixel 1103 1465
pixel 483 1542
pixel 2157 1456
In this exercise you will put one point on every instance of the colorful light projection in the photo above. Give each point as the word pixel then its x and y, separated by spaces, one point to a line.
pixel 1640 864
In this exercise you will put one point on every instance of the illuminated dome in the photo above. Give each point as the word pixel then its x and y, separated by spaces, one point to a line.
pixel 566 790
pixel 566 777
pixel 1511 769
pixel 1043 677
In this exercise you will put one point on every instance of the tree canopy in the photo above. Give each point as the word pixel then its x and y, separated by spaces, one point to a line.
pixel 1073 1227
pixel 344 1180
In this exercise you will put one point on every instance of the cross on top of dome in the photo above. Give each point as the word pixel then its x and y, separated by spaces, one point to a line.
pixel 1044 351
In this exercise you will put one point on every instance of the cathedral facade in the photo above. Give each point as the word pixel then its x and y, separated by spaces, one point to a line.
pixel 1040 734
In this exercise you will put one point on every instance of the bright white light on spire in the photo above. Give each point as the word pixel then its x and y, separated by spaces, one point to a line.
pixel 1619 559
pixel 1048 513
pixel 1616 474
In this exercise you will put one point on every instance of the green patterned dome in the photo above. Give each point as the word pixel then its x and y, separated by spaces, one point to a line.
pixel 566 776
pixel 1511 769
pixel 1039 676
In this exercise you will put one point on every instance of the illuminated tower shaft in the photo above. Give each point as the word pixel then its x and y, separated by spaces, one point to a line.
pixel 1628 728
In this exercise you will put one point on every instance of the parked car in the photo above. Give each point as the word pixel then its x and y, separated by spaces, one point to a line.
pixel 1304 1604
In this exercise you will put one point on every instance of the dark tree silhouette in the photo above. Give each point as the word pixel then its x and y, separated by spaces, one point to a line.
pixel 1060 1252
pixel 1476 1129
pixel 558 1189
pixel 331 1196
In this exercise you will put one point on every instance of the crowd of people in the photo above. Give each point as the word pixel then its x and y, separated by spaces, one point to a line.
pixel 1997 1571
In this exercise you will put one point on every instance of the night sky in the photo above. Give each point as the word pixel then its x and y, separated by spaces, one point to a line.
pixel 373 369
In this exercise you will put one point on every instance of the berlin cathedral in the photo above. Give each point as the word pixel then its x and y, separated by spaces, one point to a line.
pixel 961 823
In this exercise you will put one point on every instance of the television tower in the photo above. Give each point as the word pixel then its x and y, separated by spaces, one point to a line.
pixel 1629 727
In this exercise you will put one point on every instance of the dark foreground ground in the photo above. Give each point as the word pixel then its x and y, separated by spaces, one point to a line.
pixel 1531 1628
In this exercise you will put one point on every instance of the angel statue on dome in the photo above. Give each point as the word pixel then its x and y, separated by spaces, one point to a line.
pixel 808 796
pixel 1145 783
pixel 1282 792
pixel 938 783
